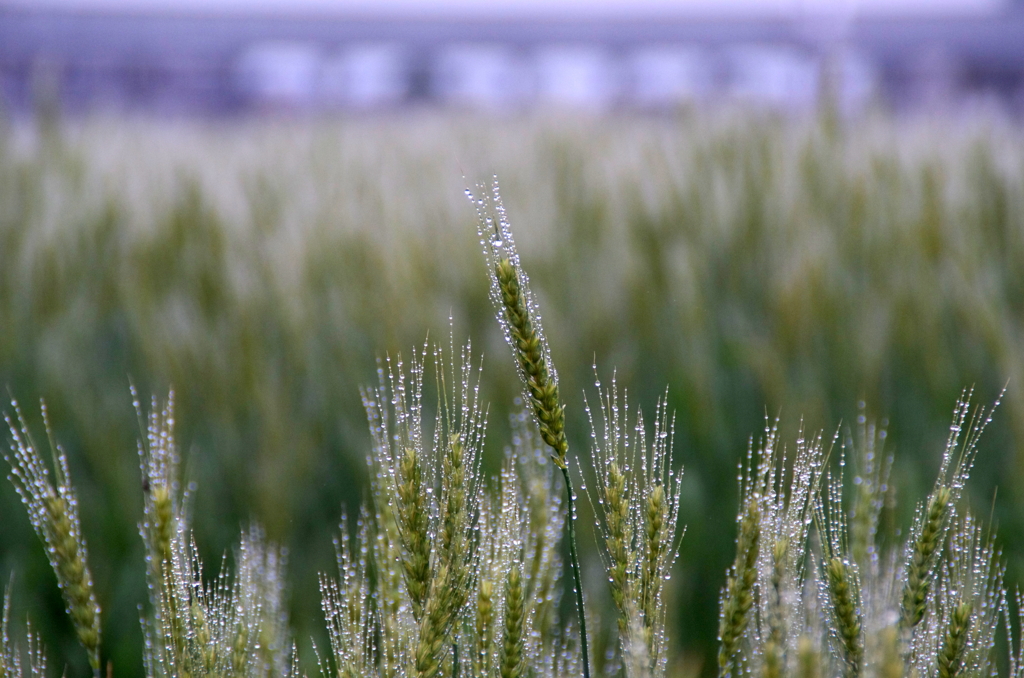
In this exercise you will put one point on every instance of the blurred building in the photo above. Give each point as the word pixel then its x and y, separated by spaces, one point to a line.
pixel 208 63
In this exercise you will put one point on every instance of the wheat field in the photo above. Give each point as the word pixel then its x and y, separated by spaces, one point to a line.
pixel 814 270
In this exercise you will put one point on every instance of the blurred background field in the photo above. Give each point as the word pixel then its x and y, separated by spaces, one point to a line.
pixel 759 266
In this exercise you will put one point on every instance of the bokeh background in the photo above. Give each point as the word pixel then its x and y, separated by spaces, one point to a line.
pixel 811 211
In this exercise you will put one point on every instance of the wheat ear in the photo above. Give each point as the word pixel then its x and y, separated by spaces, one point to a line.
pixel 448 589
pixel 533 364
pixel 162 518
pixel 618 542
pixel 413 518
pixel 919 569
pixel 773 646
pixel 739 589
pixel 53 510
pixel 954 643
pixel 543 391
pixel 484 625
pixel 808 658
pixel 656 522
pixel 512 647
pixel 843 594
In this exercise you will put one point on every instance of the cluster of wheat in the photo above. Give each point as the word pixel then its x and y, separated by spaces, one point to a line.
pixel 842 599
pixel 448 573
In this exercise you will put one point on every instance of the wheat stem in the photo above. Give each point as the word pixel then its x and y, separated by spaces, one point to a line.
pixel 574 559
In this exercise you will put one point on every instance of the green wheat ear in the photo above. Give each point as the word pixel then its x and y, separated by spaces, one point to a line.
pixel 513 633
pixel 533 365
pixel 773 646
pixel 809 658
pixel 951 654
pixel 413 520
pixel 53 510
pixel 922 559
pixel 739 589
pixel 841 583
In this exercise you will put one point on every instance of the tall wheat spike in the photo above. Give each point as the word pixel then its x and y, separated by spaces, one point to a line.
pixel 162 517
pixel 520 322
pixel 762 627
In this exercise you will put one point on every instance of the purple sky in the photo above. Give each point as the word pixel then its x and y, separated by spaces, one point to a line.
pixel 491 8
